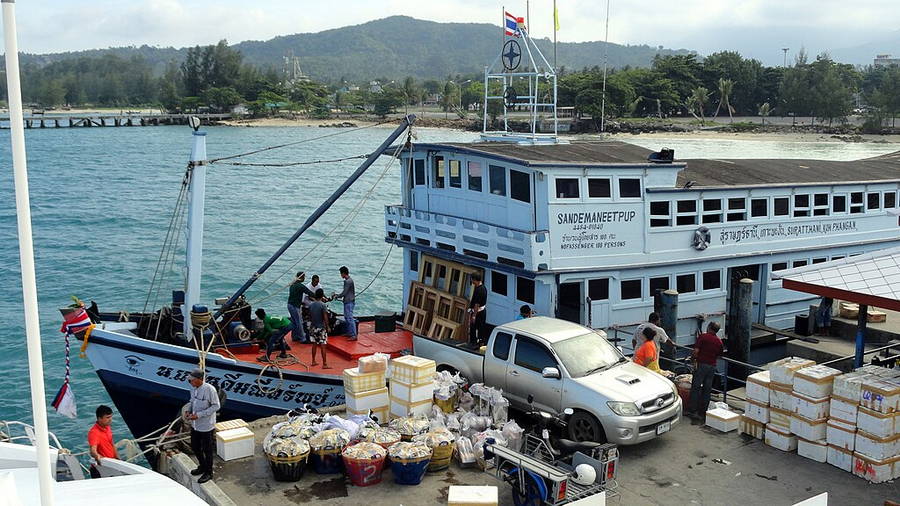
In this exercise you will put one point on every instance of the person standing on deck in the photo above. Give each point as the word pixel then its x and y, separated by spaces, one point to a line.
pixel 707 350
pixel 203 408
pixel 823 316
pixel 348 295
pixel 313 286
pixel 661 335
pixel 319 327
pixel 273 332
pixel 100 440
pixel 477 312
pixel 295 304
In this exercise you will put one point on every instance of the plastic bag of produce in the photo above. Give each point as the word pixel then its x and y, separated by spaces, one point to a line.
pixel 365 451
pixel 373 363
pixel 409 450
pixel 466 401
pixel 330 438
pixel 286 447
pixel 464 451
pixel 499 407
pixel 384 436
pixel 410 426
pixel 513 434
pixel 453 421
pixel 480 438
pixel 436 437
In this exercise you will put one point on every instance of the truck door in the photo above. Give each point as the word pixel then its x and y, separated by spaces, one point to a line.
pixel 524 376
pixel 496 360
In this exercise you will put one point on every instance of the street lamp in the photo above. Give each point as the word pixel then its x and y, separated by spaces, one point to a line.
pixel 785 50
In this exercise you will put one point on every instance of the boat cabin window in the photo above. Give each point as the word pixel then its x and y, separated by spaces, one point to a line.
pixel 525 290
pixel 737 209
pixel 440 281
pixel 599 187
pixel 819 260
pixel 779 266
pixel 567 188
pixel 520 185
pixel 874 201
pixel 475 176
pixel 530 354
pixel 631 289
pixel 820 204
pixel 801 205
pixel 687 212
pixel 890 200
pixel 856 202
pixel 712 280
pixel 839 204
pixel 782 206
pixel 659 214
pixel 629 188
pixel 502 343
pixel 413 260
pixel 498 283
pixel 418 172
pixel 799 263
pixel 439 170
pixel 759 208
pixel 659 284
pixel 498 180
pixel 455 174
pixel 598 289
pixel 686 283
pixel 712 210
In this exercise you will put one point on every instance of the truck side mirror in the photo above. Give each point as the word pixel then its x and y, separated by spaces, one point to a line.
pixel 550 372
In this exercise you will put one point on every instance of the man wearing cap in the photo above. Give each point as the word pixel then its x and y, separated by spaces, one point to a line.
pixel 202 414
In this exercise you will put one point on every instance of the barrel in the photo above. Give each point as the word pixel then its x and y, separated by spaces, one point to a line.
pixel 409 471
pixel 364 472
pixel 288 468
pixel 327 461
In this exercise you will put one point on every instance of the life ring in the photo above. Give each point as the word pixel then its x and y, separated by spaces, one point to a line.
pixel 701 239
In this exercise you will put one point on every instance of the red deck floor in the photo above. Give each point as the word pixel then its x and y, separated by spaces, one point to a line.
pixel 342 354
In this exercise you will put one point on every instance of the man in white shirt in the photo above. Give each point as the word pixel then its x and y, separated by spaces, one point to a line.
pixel 202 415
pixel 313 286
pixel 653 323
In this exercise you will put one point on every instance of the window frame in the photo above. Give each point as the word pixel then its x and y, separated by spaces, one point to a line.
pixel 736 213
pixel 497 169
pixel 419 170
pixel 781 199
pixel 693 278
pixel 620 193
pixel 454 181
pixel 679 214
pixel 609 187
pixel 494 286
pixel 438 172
pixel 497 339
pixel 640 284
pixel 513 173
pixel 712 213
pixel 801 211
pixel 602 281
pixel 556 193
pixel 538 345
pixel 718 286
pixel 470 179
pixel 666 218
pixel 519 282
pixel 857 207
pixel 753 215
pixel 842 197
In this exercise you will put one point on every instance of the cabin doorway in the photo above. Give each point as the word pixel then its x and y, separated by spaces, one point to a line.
pixel 569 302
pixel 754 272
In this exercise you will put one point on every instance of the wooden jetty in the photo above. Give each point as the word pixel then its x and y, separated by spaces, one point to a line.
pixel 113 120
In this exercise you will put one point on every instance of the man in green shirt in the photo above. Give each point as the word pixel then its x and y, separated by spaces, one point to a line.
pixel 273 332
pixel 295 304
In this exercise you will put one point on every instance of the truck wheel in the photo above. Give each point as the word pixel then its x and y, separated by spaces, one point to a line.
pixel 584 427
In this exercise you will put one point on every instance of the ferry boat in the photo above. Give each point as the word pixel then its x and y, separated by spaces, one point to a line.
pixel 585 231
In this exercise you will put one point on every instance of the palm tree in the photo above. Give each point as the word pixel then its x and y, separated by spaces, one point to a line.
pixel 764 111
pixel 725 87
pixel 697 101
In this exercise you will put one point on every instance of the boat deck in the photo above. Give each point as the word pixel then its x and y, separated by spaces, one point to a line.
pixel 342 353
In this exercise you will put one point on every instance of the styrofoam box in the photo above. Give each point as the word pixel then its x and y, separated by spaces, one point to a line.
pixel 235 443
pixel 776 438
pixel 757 411
pixel 364 401
pixel 874 470
pixel 400 409
pixel 780 397
pixel 877 448
pixel 879 371
pixel 813 450
pixel 412 370
pixel 840 434
pixel 412 393
pixel 843 409
pixel 809 407
pixel 722 419
pixel 847 386
pixel 472 496
pixel 783 370
pixel 811 430
pixel 815 381
pixel 840 458
pixel 882 395
pixel 230 424
pixel 381 413
pixel 355 381
pixel 751 427
pixel 877 424
pixel 758 386
pixel 781 418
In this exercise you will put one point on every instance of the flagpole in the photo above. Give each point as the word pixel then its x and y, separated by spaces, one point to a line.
pixel 26 254
pixel 605 63
pixel 555 19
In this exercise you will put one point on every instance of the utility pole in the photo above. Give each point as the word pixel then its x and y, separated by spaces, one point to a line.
pixel 785 50
pixel 605 61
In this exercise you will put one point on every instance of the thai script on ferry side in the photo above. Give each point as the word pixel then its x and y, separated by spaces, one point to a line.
pixel 260 387
pixel 783 231
pixel 594 217
pixel 587 240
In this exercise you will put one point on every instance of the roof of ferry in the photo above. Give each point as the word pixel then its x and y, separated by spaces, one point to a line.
pixel 703 172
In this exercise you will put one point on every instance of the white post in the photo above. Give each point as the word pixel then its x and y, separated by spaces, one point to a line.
pixel 605 62
pixel 26 254
pixel 194 250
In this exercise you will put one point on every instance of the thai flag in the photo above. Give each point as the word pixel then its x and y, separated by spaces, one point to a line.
pixel 75 321
pixel 64 402
pixel 512 25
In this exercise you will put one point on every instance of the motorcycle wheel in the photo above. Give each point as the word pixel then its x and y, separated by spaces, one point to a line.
pixel 529 493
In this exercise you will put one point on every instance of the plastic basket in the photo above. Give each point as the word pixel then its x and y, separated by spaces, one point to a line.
pixel 288 468
pixel 364 472
pixel 409 471
pixel 327 461
pixel 440 456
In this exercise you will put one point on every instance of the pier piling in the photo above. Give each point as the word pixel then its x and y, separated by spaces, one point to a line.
pixel 668 316
pixel 740 310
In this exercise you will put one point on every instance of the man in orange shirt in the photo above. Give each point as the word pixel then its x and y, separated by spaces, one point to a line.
pixel 100 439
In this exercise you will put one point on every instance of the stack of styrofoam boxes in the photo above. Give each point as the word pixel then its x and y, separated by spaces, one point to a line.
pixel 841 426
pixel 756 412
pixel 412 386
pixel 809 413
pixel 365 390
pixel 876 456
pixel 781 374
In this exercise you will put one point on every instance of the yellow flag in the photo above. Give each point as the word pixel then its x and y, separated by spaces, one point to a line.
pixel 555 17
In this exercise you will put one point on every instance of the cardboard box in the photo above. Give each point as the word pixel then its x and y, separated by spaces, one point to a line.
pixel 782 371
pixel 752 427
pixel 780 418
pixel 780 397
pixel 776 438
pixel 809 407
pixel 880 394
pixel 840 434
pixel 472 496
pixel 364 401
pixel 874 470
pixel 811 430
pixel 877 448
pixel 843 409
pixel 235 443
pixel 840 458
pixel 848 310
pixel 381 414
pixel 847 386
pixel 878 424
pixel 412 370
pixel 412 393
pixel 813 450
pixel 400 408
pixel 757 411
pixel 355 381
pixel 722 419
pixel 758 387
pixel 815 381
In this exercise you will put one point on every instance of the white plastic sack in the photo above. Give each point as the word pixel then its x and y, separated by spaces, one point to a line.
pixel 336 422
pixel 514 435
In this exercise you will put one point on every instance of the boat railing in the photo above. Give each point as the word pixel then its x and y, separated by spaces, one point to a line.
pixel 25 434
pixel 467 236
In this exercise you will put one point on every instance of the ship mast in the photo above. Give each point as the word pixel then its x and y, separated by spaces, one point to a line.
pixel 194 231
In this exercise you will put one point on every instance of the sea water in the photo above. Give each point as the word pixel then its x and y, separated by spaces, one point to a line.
pixel 102 200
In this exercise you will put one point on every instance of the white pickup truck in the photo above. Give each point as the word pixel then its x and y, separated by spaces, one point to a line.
pixel 565 365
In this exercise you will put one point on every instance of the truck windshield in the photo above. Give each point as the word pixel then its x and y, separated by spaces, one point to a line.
pixel 586 354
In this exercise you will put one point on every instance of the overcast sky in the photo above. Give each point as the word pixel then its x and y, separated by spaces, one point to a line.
pixel 757 28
